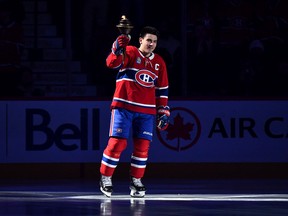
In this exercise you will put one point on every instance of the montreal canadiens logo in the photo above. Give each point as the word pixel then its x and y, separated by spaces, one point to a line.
pixel 145 78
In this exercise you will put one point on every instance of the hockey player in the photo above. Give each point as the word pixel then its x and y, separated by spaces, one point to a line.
pixel 141 94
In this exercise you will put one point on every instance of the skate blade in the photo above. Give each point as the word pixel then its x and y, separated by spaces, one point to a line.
pixel 107 194
pixel 137 194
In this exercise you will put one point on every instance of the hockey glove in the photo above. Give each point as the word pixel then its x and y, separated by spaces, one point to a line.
pixel 162 117
pixel 120 43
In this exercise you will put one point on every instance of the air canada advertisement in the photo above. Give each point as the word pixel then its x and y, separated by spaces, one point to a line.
pixel 199 131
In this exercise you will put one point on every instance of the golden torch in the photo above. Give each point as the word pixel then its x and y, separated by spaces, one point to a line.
pixel 124 25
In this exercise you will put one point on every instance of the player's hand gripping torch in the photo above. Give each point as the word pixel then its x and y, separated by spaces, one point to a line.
pixel 122 41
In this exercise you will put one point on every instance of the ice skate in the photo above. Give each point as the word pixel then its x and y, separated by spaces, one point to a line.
pixel 106 186
pixel 137 188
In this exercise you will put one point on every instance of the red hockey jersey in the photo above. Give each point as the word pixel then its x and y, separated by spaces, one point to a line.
pixel 141 83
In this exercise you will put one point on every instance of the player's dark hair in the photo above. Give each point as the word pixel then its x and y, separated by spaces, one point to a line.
pixel 149 30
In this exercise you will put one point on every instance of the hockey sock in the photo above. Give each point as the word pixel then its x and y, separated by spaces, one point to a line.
pixel 111 155
pixel 139 157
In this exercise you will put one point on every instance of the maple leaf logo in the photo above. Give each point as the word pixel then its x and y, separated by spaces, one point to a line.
pixel 179 129
pixel 183 132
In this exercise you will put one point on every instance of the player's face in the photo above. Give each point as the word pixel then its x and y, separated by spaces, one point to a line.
pixel 148 44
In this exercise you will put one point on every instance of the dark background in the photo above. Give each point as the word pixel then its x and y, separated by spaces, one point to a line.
pixel 217 49
pixel 213 49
